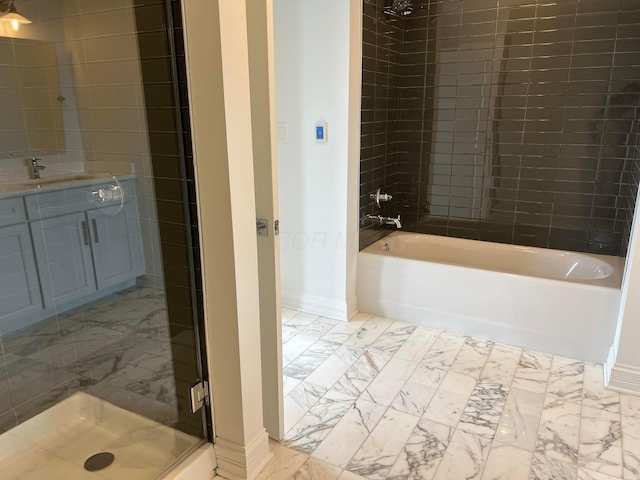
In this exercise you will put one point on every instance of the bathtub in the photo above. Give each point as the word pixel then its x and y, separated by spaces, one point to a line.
pixel 559 302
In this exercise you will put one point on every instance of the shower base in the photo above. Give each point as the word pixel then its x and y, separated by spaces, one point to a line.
pixel 56 443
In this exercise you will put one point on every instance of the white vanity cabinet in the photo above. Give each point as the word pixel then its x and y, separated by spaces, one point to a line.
pixel 66 249
pixel 20 295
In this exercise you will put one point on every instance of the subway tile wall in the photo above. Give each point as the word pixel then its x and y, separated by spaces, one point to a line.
pixel 508 121
pixel 161 44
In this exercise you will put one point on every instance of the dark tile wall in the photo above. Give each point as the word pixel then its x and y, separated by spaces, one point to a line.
pixel 160 40
pixel 632 172
pixel 381 70
pixel 514 121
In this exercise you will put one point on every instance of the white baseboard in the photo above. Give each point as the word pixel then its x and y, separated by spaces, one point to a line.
pixel 625 379
pixel 317 305
pixel 240 462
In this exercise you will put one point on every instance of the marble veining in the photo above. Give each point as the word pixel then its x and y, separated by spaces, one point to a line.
pixel 399 402
pixel 482 413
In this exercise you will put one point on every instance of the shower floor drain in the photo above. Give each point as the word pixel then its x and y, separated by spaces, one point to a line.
pixel 99 461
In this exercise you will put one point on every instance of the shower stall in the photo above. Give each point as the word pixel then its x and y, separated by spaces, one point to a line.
pixel 512 121
pixel 101 311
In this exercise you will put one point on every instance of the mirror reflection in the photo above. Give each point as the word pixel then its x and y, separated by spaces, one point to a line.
pixel 31 116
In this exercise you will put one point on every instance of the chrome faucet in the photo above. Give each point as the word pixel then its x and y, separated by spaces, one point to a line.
pixel 382 220
pixel 35 168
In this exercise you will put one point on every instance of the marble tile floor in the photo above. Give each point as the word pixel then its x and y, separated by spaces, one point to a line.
pixel 380 399
pixel 116 348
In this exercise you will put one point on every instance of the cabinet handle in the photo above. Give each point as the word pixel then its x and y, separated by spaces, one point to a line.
pixel 95 230
pixel 85 232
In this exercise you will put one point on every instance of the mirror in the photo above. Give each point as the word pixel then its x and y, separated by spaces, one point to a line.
pixel 30 116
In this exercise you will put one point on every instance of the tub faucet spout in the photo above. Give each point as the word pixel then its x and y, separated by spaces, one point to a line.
pixel 382 220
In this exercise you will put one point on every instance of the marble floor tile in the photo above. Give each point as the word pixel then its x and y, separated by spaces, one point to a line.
pixel 358 377
pixel 288 313
pixel 501 365
pixel 450 399
pixel 301 320
pixel 414 398
pixel 393 337
pixel 518 426
pixel 533 371
pixel 594 393
pixel 369 332
pixel 346 475
pixel 589 475
pixel 297 345
pixel 421 455
pixel 417 404
pixel 545 468
pixel 600 441
pixel 316 424
pixel 310 359
pixel 299 401
pixel 435 364
pixel 335 366
pixel 289 384
pixel 284 463
pixel 630 446
pixel 314 469
pixel 417 345
pixel 380 450
pixel 630 405
pixel 321 326
pixel 566 379
pixel 483 411
pixel 288 333
pixel 465 457
pixel 559 431
pixel 384 388
pixel 341 331
pixel 506 462
pixel 349 433
pixel 472 357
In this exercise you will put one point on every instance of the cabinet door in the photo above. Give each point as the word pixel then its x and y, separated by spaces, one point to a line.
pixel 63 251
pixel 19 288
pixel 117 247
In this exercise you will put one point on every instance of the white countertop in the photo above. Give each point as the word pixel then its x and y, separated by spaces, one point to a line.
pixel 58 182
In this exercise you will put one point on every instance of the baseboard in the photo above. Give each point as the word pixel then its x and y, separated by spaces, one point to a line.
pixel 317 305
pixel 240 462
pixel 625 379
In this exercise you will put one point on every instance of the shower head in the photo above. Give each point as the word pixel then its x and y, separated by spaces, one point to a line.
pixel 398 8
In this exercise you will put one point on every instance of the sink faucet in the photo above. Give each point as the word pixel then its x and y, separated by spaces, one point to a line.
pixel 35 168
pixel 382 220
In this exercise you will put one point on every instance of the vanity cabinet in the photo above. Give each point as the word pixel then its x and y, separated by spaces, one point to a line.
pixel 83 246
pixel 116 246
pixel 62 248
pixel 20 295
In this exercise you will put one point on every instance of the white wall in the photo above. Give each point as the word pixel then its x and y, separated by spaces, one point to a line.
pixel 318 234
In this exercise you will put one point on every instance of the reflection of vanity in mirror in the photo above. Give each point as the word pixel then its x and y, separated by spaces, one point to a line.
pixel 31 119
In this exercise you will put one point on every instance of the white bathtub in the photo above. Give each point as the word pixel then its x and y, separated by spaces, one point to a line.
pixel 559 302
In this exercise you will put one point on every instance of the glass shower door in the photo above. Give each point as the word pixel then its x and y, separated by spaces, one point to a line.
pixel 100 311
